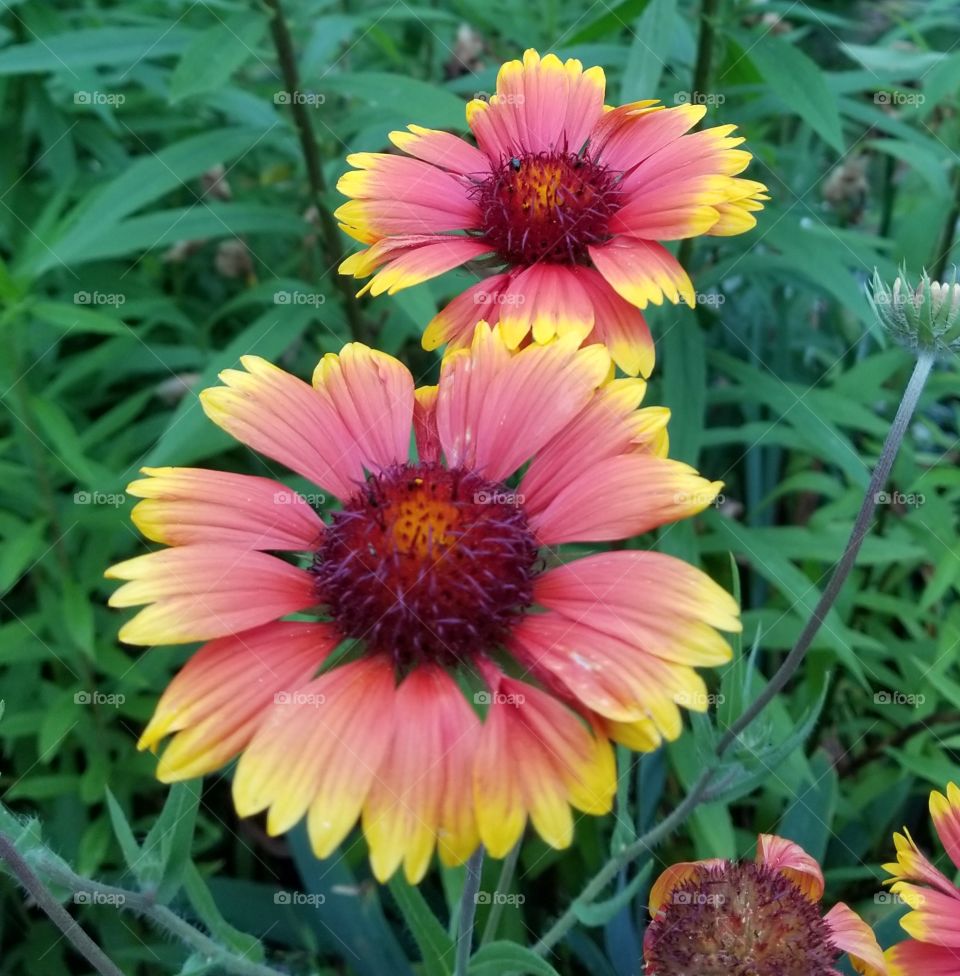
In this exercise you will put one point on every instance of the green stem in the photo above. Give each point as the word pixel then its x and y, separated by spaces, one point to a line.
pixel 52 870
pixel 468 912
pixel 72 932
pixel 283 44
pixel 503 887
pixel 700 791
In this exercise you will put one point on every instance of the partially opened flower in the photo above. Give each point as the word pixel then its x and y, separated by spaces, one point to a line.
pixel 477 688
pixel 760 918
pixel 568 200
pixel 934 919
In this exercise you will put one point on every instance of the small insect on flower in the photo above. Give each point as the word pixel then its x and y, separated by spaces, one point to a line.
pixel 565 199
pixel 476 688
pixel 934 919
pixel 760 918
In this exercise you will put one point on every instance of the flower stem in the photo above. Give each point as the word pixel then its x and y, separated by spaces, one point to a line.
pixel 503 886
pixel 283 44
pixel 49 869
pixel 57 914
pixel 699 792
pixel 468 912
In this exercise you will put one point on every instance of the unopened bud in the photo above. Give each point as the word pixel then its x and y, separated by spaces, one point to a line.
pixel 925 316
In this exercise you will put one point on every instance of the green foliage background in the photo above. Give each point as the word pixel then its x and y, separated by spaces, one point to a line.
pixel 133 271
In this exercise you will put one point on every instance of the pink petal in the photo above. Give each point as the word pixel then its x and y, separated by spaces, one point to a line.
pixel 919 959
pixel 425 425
pixel 406 261
pixel 541 105
pixel 490 406
pixel 851 934
pixel 625 137
pixel 200 592
pixel 619 325
pixel 621 497
pixel 442 149
pixel 455 324
pixel 545 300
pixel 642 271
pixel 398 195
pixel 357 418
pixel 792 861
pixel 190 505
pixel 945 811
pixel 220 696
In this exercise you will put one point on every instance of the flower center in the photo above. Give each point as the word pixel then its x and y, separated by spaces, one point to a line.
pixel 547 206
pixel 739 920
pixel 427 564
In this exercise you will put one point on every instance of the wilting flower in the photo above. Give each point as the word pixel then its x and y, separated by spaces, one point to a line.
pixel 934 921
pixel 925 316
pixel 568 200
pixel 760 918
pixel 433 575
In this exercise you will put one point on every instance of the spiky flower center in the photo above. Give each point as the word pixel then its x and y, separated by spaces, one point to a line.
pixel 547 206
pixel 427 564
pixel 739 920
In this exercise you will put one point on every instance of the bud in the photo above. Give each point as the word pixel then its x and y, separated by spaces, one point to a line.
pixel 923 317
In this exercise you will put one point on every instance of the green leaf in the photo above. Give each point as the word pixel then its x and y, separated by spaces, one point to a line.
pixel 206 907
pixel 501 958
pixel 436 947
pixel 166 849
pixel 799 83
pixel 395 94
pixel 809 818
pixel 599 913
pixel 93 48
pixel 215 54
pixel 648 50
pixel 78 318
pixel 124 834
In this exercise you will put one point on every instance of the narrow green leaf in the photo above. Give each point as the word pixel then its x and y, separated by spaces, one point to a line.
pixel 436 947
pixel 215 54
pixel 501 958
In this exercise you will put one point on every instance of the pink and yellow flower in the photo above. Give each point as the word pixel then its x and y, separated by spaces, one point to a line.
pixel 934 919
pixel 567 199
pixel 726 918
pixel 429 663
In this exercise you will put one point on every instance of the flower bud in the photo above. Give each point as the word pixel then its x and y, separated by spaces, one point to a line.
pixel 925 316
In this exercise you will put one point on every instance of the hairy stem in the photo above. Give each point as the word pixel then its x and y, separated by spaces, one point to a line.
pixel 57 914
pixel 700 791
